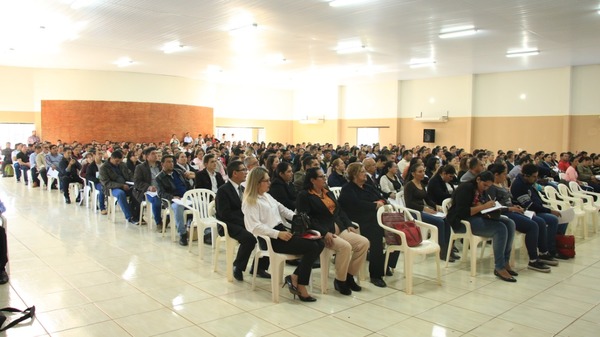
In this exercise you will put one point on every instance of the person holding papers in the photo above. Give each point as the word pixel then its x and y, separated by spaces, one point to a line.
pixel 415 197
pixel 172 186
pixel 468 202
pixel 525 195
pixel 116 177
pixel 527 223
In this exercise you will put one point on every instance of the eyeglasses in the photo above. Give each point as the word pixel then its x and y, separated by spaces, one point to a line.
pixel 242 170
pixel 321 176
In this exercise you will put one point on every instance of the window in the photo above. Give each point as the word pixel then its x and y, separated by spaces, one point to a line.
pixel 367 136
pixel 15 133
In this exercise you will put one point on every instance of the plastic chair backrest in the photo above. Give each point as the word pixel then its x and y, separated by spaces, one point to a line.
pixel 446 204
pixel 199 199
pixel 564 190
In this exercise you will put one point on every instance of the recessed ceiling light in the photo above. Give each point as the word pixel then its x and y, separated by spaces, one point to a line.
pixel 341 3
pixel 457 32
pixel 522 52
pixel 123 62
pixel 172 47
pixel 419 63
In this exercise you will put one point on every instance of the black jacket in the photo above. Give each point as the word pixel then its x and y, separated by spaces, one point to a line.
pixel 203 180
pixel 359 204
pixel 229 208
pixel 283 192
pixel 336 180
pixel 322 219
pixel 166 187
pixel 437 189
pixel 142 179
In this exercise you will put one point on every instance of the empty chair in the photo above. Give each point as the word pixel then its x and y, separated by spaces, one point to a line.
pixel 230 244
pixel 562 203
pixel 197 201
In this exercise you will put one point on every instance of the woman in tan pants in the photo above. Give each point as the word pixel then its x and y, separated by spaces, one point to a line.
pixel 339 234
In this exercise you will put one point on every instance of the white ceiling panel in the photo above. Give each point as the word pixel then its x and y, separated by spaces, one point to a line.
pixel 305 33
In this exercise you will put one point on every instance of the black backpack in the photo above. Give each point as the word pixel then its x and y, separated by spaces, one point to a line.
pixel 27 313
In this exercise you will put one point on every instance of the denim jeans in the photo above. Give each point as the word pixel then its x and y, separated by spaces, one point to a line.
pixel 530 228
pixel 156 204
pixel 502 232
pixel 553 228
pixel 443 231
pixel 122 201
pixel 100 190
pixel 179 221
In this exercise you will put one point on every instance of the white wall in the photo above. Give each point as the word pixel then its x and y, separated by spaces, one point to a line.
pixel 248 102
pixel 319 101
pixel 585 90
pixel 370 100
pixel 546 93
pixel 16 89
pixel 435 96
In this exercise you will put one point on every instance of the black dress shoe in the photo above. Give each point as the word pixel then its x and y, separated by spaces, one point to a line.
pixel 378 282
pixel 512 272
pixel 505 279
pixel 342 287
pixel 3 277
pixel 454 256
pixel 352 284
pixel 183 239
pixel 238 274
pixel 261 273
pixel 389 272
pixel 67 200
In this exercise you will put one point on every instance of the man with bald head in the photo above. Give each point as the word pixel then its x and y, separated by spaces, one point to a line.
pixel 371 168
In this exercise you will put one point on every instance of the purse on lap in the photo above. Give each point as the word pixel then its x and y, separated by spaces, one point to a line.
pixel 409 228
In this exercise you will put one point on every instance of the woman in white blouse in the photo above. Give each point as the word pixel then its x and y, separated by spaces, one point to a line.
pixel 389 181
pixel 263 215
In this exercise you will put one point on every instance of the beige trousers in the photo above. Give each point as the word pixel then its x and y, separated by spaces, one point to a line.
pixel 350 253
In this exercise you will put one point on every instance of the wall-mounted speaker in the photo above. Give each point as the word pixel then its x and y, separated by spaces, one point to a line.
pixel 428 135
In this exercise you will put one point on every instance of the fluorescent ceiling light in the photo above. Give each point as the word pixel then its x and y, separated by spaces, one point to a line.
pixel 172 47
pixel 522 52
pixel 341 3
pixel 351 46
pixel 457 32
pixel 123 62
pixel 244 29
pixel 419 63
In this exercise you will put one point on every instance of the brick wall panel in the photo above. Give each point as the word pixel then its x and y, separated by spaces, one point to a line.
pixel 84 121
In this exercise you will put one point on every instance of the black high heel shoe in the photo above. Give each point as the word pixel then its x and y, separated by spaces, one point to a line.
pixel 305 299
pixel 293 290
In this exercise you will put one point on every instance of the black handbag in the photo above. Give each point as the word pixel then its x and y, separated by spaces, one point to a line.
pixel 300 224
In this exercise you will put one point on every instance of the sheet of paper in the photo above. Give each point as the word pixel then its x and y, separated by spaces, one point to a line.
pixel 529 214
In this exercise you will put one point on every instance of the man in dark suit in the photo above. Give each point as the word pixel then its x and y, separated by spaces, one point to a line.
pixel 371 168
pixel 228 203
pixel 144 180
pixel 209 178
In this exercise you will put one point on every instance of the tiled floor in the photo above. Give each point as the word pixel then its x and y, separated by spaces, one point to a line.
pixel 90 277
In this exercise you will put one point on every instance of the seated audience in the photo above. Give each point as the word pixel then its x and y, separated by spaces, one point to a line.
pixel 475 167
pixel 263 215
pixel 525 195
pixel 360 202
pixel 68 172
pixel 534 228
pixel 282 188
pixel 468 201
pixel 339 234
pixel 172 186
pixel 440 186
pixel 209 178
pixel 144 180
pixel 308 162
pixel 336 178
pixel 228 203
pixel 416 197
pixel 114 176
pixel 91 174
pixel 389 181
pixel 584 170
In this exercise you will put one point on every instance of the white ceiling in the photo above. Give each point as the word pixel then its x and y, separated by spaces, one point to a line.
pixel 92 34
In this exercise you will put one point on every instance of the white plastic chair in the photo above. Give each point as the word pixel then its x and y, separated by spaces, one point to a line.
pixel 230 244
pixel 428 246
pixel 75 191
pixel 111 206
pixel 587 204
pixel 277 263
pixel 336 191
pixel 470 240
pixel 199 200
pixel 146 206
pixel 560 202
pixel 93 196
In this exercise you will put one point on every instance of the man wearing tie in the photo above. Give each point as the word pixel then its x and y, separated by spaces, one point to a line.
pixel 228 204
pixel 371 168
